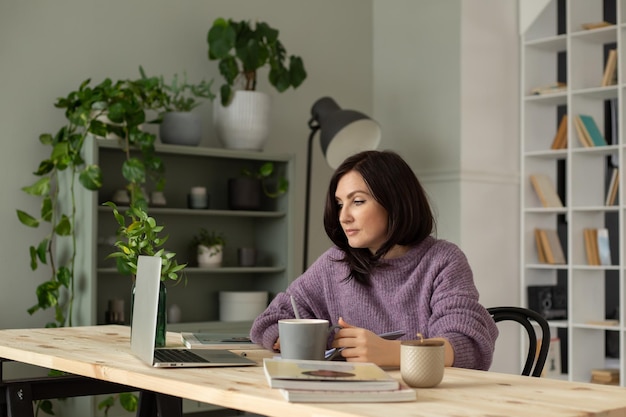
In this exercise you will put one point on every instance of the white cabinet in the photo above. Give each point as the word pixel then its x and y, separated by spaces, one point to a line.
pixel 556 47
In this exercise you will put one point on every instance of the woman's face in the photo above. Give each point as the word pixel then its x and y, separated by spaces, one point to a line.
pixel 363 219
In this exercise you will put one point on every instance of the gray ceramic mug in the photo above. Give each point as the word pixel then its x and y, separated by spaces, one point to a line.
pixel 304 338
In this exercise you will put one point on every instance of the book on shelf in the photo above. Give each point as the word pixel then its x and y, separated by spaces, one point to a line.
pixel 217 341
pixel 610 69
pixel 403 393
pixel 544 188
pixel 604 249
pixel 583 138
pixel 549 247
pixel 595 25
pixel 597 246
pixel 560 139
pixel 591 131
pixel 327 375
pixel 541 253
pixel 552 367
pixel 611 194
pixel 606 376
pixel 557 87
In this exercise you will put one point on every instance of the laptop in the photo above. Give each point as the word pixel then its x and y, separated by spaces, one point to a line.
pixel 144 323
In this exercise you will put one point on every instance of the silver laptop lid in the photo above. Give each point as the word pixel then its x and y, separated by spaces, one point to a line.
pixel 145 306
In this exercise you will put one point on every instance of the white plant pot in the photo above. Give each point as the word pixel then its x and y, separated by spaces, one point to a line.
pixel 210 257
pixel 244 123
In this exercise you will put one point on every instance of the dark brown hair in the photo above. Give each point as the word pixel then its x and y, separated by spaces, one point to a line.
pixel 393 184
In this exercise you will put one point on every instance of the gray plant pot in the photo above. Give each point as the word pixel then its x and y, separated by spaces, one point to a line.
pixel 180 128
pixel 244 194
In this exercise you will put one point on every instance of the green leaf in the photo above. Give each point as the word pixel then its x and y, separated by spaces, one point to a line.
pixel 46 209
pixel 91 177
pixel 46 407
pixel 45 139
pixel 106 403
pixel 42 249
pixel 27 219
pixel 64 276
pixel 133 170
pixel 39 188
pixel 45 167
pixel 129 401
pixel 64 227
pixel 33 258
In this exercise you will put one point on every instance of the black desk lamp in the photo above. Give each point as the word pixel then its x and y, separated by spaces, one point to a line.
pixel 342 133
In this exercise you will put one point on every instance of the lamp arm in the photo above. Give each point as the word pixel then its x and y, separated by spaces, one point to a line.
pixel 307 198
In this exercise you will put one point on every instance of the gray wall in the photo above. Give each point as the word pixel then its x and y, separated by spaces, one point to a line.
pixel 421 68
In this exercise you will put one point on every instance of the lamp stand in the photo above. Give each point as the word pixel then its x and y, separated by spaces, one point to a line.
pixel 314 126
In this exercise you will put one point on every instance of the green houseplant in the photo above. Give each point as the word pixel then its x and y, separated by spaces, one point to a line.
pixel 242 49
pixel 124 103
pixel 178 124
pixel 108 109
pixel 244 193
pixel 209 247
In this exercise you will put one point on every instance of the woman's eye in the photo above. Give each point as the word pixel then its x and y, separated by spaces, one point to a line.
pixel 339 206
pixel 359 202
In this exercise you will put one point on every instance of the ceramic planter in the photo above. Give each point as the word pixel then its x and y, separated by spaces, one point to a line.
pixel 244 194
pixel 244 123
pixel 180 128
pixel 210 257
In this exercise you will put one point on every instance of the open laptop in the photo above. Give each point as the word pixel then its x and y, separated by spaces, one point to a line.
pixel 144 323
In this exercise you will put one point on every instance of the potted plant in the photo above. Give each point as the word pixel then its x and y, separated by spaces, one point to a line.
pixel 209 247
pixel 178 125
pixel 244 193
pixel 241 49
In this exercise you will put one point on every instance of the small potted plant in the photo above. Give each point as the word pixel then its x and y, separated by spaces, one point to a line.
pixel 209 248
pixel 241 49
pixel 178 125
pixel 141 237
pixel 244 193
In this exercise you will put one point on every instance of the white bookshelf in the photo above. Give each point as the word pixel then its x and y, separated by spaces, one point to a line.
pixel 584 171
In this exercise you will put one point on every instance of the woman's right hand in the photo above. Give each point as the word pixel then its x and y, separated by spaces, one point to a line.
pixel 276 346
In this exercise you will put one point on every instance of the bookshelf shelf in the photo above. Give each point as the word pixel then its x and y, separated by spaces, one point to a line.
pixel 556 49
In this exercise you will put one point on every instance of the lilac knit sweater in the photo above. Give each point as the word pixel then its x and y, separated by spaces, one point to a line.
pixel 428 290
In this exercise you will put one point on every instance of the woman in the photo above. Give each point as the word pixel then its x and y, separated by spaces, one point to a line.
pixel 386 272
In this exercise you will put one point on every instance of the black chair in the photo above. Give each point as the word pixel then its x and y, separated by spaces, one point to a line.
pixel 524 316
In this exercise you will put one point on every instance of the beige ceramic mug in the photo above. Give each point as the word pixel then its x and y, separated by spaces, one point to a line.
pixel 422 362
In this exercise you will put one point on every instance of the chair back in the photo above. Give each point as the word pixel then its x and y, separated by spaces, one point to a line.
pixel 524 316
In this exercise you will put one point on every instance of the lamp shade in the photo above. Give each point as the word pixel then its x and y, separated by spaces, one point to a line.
pixel 343 132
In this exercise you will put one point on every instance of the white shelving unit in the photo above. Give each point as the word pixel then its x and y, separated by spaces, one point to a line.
pixel 583 171
pixel 270 230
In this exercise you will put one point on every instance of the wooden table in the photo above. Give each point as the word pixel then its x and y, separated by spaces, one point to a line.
pixel 103 353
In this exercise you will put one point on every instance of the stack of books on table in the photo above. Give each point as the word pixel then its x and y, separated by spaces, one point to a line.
pixel 333 381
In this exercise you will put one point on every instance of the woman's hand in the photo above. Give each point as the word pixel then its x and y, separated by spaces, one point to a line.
pixel 361 345
pixel 276 346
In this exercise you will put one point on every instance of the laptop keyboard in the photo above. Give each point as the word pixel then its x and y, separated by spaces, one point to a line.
pixel 176 355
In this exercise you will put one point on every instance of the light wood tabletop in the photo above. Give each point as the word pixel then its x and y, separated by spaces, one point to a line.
pixel 103 352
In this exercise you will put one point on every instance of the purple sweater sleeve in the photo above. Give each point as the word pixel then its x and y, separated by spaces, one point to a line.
pixel 429 290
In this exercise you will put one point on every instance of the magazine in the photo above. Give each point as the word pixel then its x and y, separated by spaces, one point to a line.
pixel 327 375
